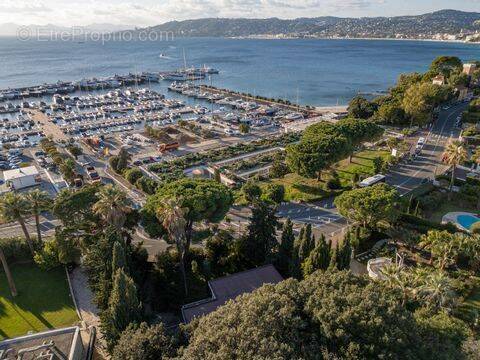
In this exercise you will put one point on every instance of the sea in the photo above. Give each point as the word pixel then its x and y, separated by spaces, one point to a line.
pixel 309 71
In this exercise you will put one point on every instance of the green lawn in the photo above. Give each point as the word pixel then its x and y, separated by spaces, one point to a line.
pixel 43 301
pixel 362 164
pixel 299 188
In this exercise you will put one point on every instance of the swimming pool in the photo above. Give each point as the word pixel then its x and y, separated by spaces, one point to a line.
pixel 467 220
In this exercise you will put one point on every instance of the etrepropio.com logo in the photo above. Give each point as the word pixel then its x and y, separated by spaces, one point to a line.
pixel 27 33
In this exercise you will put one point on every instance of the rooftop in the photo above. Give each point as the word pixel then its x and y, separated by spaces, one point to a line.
pixel 19 173
pixel 54 344
pixel 229 287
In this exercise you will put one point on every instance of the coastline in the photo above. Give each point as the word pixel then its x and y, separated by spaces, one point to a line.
pixel 347 38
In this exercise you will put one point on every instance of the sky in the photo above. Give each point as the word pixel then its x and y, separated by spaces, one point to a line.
pixel 153 12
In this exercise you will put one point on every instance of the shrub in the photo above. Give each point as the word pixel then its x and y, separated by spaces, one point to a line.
pixel 47 258
pixel 423 225
pixel 16 249
pixel 475 229
pixel 132 175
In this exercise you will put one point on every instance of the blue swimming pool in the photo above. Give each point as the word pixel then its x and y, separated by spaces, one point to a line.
pixel 467 220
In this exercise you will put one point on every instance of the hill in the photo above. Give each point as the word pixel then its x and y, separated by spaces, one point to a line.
pixel 444 24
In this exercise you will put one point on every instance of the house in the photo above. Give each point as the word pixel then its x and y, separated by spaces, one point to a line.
pixel 469 69
pixel 58 344
pixel 462 92
pixel 229 287
pixel 21 178
pixel 439 80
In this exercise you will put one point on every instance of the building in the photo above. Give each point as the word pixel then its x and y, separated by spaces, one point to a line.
pixel 462 92
pixel 469 69
pixel 229 287
pixel 21 178
pixel 439 80
pixel 58 344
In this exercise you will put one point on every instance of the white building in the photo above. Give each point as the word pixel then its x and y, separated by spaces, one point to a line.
pixel 22 177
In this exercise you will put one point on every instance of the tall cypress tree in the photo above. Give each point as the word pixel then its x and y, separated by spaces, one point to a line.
pixel 261 239
pixel 119 260
pixel 124 308
pixel 285 252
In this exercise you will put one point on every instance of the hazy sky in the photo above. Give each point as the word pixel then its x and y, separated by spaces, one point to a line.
pixel 150 12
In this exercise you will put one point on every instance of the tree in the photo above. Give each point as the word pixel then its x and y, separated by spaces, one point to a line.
pixel 124 308
pixel 218 253
pixel 454 155
pixel 132 175
pixel 318 259
pixel 172 216
pixel 119 260
pixel 74 207
pixel 67 168
pixel 251 191
pixel 144 342
pixel 329 315
pixel 444 247
pixel 390 113
pixel 260 241
pixel 123 158
pixel 369 205
pixel 316 153
pixel 445 65
pixel 8 274
pixel 203 200
pixel 279 169
pixel 274 193
pixel 285 255
pixel 112 206
pixel 14 207
pixel 360 108
pixel 437 291
pixel 378 164
pixel 39 201
pixel 244 128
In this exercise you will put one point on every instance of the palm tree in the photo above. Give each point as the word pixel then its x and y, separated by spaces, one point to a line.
pixel 8 274
pixel 437 291
pixel 14 207
pixel 39 201
pixel 395 277
pixel 476 160
pixel 172 216
pixel 112 206
pixel 454 155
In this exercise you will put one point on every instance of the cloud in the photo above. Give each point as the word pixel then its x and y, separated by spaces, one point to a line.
pixel 153 12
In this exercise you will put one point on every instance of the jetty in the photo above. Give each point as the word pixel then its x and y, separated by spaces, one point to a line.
pixel 49 128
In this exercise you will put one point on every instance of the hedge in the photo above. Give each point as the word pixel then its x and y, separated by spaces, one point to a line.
pixel 423 225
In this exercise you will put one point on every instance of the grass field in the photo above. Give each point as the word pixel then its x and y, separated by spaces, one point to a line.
pixel 362 164
pixel 43 301
pixel 299 188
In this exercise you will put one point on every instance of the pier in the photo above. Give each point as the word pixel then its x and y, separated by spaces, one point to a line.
pixel 49 128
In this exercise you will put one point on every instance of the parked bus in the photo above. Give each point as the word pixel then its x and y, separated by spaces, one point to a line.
pixel 376 179
pixel 167 147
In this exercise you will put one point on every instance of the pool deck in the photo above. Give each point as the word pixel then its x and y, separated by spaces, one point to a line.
pixel 451 217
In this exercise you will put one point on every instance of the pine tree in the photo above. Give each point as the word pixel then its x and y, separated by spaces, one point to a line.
pixel 285 253
pixel 124 308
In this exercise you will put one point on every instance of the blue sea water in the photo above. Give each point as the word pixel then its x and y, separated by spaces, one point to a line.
pixel 317 72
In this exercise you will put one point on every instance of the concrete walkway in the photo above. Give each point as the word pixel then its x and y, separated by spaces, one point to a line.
pixel 84 299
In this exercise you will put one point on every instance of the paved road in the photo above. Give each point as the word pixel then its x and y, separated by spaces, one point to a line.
pixel 409 175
